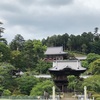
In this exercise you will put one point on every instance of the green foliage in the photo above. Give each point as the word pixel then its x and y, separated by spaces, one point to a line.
pixel 84 48
pixel 71 42
pixel 1 29
pixel 70 55
pixel 85 64
pixel 3 40
pixel 17 92
pixel 78 87
pixel 32 52
pixel 17 43
pixel 4 53
pixel 6 79
pixel 39 89
pixel 96 96
pixel 39 49
pixel 95 46
pixel 28 58
pixel 74 83
pixel 16 58
pixel 1 56
pixel 95 67
pixel 6 93
pixel 1 89
pixel 92 83
pixel 42 66
pixel 25 83
pixel 92 57
pixel 72 80
pixel 81 43
pixel 5 68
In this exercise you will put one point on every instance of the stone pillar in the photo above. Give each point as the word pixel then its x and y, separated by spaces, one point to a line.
pixel 85 93
pixel 53 93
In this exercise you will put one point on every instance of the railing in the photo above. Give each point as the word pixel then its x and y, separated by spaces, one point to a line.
pixel 27 98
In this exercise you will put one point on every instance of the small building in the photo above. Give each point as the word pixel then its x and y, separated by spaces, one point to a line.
pixel 43 76
pixel 81 58
pixel 62 68
pixel 55 53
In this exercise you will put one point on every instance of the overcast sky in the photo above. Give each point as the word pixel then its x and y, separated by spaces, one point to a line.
pixel 37 19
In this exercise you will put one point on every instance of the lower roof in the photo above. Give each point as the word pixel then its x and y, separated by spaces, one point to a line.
pixel 67 64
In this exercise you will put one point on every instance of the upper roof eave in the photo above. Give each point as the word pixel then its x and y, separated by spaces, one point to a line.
pixel 56 53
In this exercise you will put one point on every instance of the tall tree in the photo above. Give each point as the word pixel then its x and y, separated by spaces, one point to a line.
pixel 95 67
pixel 84 48
pixel 32 52
pixel 7 80
pixel 16 59
pixel 65 38
pixel 92 57
pixel 41 87
pixel 17 43
pixel 26 83
pixel 39 49
pixel 28 58
pixel 42 67
pixel 96 30
pixel 95 47
pixel 71 42
pixel 5 53
pixel 92 83
pixel 96 34
pixel 2 31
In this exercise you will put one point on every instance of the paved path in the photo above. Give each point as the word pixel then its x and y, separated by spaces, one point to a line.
pixel 69 99
pixel 68 96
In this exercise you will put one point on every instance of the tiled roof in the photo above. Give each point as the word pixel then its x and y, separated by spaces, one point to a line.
pixel 54 51
pixel 70 64
pixel 42 76
pixel 81 58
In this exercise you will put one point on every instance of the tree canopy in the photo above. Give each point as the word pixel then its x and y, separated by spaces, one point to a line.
pixel 41 87
pixel 95 67
pixel 93 83
pixel 5 53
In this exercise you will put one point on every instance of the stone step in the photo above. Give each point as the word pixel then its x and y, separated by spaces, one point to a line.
pixel 68 99
pixel 68 96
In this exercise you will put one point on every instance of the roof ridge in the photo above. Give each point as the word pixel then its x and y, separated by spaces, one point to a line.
pixel 55 47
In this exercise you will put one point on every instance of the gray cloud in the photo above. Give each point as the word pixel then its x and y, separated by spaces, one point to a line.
pixel 9 7
pixel 46 2
pixel 56 2
pixel 42 18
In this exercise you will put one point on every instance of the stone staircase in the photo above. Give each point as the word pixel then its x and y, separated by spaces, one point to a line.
pixel 68 96
pixel 69 99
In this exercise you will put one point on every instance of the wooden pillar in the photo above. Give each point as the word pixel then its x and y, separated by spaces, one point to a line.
pixel 62 88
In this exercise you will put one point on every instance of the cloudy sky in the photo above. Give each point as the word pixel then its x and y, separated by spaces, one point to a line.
pixel 37 19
